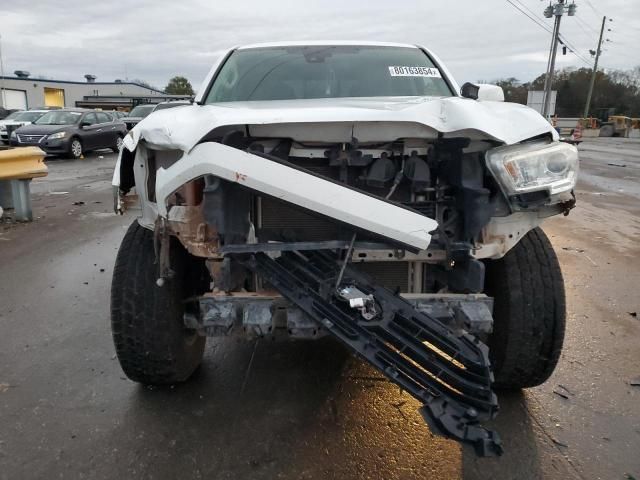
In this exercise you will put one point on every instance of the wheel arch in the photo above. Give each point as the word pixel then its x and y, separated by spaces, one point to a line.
pixel 124 170
pixel 502 234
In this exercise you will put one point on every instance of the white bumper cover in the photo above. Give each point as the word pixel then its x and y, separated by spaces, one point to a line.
pixel 297 187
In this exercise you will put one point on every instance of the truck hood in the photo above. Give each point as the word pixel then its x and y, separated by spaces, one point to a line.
pixel 183 128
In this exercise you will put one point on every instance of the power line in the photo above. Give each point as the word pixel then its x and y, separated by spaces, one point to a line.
pixel 538 21
pixel 542 20
pixel 529 10
pixel 629 36
pixel 564 40
pixel 624 43
pixel 630 27
pixel 573 49
pixel 594 8
pixel 580 21
pixel 568 43
pixel 586 32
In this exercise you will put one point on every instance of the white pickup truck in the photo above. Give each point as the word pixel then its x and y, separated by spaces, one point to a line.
pixel 352 189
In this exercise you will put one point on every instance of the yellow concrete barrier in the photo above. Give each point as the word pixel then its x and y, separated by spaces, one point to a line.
pixel 18 166
pixel 22 163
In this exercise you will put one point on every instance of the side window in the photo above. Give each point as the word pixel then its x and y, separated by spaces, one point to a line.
pixel 90 118
pixel 103 117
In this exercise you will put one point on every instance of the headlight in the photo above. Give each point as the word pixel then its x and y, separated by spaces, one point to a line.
pixel 3 128
pixel 56 136
pixel 14 134
pixel 533 167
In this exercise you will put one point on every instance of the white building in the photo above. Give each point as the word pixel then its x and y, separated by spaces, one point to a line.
pixel 24 92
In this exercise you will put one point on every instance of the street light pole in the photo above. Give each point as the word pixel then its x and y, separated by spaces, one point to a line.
pixel 595 70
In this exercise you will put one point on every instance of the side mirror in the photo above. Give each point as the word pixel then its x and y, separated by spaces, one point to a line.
pixel 490 93
pixel 469 90
pixel 482 91
pixel 84 124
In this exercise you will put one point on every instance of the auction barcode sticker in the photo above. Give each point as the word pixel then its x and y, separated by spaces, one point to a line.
pixel 414 72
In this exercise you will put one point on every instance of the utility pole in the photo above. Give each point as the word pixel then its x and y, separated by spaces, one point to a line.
pixel 551 64
pixel 556 11
pixel 3 97
pixel 595 70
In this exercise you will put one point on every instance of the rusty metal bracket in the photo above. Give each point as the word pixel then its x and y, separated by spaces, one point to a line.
pixel 162 247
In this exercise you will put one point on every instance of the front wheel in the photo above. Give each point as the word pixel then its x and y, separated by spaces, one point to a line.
pixel 75 148
pixel 529 312
pixel 147 321
pixel 607 131
pixel 118 146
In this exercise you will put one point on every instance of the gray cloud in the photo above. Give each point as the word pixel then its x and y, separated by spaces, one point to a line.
pixel 154 40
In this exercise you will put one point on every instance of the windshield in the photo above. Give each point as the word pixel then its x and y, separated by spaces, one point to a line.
pixel 12 116
pixel 28 116
pixel 288 73
pixel 59 117
pixel 141 111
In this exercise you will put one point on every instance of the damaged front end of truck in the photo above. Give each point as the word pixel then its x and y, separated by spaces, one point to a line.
pixel 371 220
pixel 379 243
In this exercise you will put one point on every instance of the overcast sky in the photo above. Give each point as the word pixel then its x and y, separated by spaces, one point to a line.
pixel 156 39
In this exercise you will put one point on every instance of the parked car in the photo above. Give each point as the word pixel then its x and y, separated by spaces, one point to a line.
pixel 117 114
pixel 4 113
pixel 143 111
pixel 71 132
pixel 138 113
pixel 11 115
pixel 171 104
pixel 16 120
pixel 351 189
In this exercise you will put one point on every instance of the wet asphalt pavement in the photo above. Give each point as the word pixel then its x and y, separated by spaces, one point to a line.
pixel 259 409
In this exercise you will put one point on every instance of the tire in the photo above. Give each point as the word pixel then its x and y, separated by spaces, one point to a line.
pixel 118 146
pixel 529 313
pixel 607 131
pixel 152 344
pixel 75 148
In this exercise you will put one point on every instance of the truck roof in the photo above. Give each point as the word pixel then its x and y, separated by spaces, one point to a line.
pixel 325 42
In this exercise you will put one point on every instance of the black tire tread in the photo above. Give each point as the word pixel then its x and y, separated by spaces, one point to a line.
pixel 529 312
pixel 151 343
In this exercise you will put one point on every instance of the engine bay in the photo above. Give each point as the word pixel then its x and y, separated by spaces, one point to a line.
pixel 443 179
